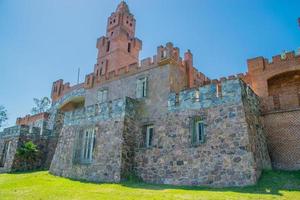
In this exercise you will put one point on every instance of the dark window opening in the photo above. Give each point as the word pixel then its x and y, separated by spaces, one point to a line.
pixel 148 134
pixel 108 46
pixel 129 47
pixel 197 130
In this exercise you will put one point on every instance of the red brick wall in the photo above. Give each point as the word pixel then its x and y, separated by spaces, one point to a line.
pixel 29 119
pixel 283 139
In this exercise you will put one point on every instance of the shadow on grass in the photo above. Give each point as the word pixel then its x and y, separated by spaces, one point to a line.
pixel 270 183
pixel 27 172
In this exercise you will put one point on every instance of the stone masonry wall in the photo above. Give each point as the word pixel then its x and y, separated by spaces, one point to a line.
pixel 18 136
pixel 130 132
pixel 257 137
pixel 10 154
pixel 224 159
pixel 106 164
pixel 108 121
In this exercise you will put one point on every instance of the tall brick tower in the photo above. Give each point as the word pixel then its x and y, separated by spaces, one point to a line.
pixel 120 47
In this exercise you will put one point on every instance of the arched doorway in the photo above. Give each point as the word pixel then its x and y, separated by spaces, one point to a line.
pixel 72 104
pixel 285 90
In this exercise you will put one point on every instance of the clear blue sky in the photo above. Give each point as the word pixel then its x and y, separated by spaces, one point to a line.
pixel 45 40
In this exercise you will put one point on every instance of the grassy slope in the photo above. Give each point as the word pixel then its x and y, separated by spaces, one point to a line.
pixel 41 185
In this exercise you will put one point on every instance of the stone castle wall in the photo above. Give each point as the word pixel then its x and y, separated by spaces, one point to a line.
pixel 257 138
pixel 16 137
pixel 11 137
pixel 106 164
pixel 108 121
pixel 226 158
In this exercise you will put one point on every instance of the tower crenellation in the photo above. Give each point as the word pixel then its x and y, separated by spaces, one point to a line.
pixel 119 47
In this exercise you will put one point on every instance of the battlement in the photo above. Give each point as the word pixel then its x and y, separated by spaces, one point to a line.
pixel 99 112
pixel 59 89
pixel 211 95
pixel 11 131
pixel 29 119
pixel 18 130
pixel 263 64
pixel 167 54
pixel 242 76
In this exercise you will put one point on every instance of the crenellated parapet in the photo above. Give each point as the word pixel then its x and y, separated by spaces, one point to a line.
pixel 59 89
pixel 242 76
pixel 168 54
pixel 261 64
pixel 100 112
pixel 207 96
pixel 31 119
pixel 13 131
pixel 269 79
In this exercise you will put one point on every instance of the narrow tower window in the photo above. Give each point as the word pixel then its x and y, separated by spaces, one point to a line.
pixel 197 130
pixel 148 135
pixel 141 90
pixel 129 47
pixel 108 46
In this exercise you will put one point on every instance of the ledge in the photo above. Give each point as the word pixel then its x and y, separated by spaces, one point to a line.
pixel 281 111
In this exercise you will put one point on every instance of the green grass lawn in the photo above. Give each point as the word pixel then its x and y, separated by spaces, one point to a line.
pixel 42 185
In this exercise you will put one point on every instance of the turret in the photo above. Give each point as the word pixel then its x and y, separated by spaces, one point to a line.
pixel 119 47
pixel 58 89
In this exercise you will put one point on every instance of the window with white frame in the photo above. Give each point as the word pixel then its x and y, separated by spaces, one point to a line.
pixel 149 136
pixel 197 130
pixel 102 95
pixel 141 87
pixel 85 146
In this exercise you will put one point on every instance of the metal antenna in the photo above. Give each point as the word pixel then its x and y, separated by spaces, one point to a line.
pixel 78 75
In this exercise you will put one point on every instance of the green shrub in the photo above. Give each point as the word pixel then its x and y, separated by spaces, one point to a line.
pixel 28 157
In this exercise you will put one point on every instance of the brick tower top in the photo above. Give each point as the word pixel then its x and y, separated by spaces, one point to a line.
pixel 119 47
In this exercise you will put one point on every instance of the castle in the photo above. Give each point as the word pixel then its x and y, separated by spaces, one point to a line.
pixel 162 120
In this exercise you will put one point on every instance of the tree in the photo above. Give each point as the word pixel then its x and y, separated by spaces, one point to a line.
pixel 41 105
pixel 3 115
